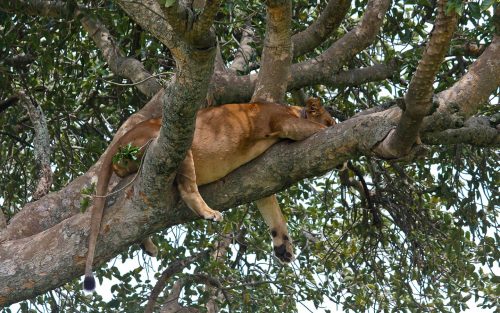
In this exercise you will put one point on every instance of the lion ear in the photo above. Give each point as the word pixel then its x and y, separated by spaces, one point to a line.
pixel 313 105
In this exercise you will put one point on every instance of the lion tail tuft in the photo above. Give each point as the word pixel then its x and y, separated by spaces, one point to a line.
pixel 89 283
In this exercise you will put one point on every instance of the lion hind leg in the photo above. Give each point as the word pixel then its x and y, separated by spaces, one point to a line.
pixel 282 242
pixel 186 183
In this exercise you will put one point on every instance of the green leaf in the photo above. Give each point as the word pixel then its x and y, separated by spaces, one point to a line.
pixel 475 10
pixel 169 3
pixel 486 4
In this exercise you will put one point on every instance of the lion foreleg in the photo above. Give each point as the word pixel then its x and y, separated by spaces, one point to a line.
pixel 296 128
pixel 186 183
pixel 282 242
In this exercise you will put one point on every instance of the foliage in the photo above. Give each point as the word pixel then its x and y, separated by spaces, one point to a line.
pixel 438 246
pixel 129 152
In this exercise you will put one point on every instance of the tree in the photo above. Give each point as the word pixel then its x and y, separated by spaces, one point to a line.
pixel 409 223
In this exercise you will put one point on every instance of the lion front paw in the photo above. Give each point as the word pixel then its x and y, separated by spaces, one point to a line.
pixel 213 215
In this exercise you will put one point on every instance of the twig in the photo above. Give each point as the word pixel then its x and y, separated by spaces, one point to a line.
pixel 138 82
pixel 19 139
pixel 7 103
pixel 173 268
pixel 212 281
pixel 377 221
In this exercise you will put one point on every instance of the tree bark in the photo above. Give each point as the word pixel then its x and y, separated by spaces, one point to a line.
pixel 41 144
pixel 242 57
pixel 468 94
pixel 277 53
pixel 418 99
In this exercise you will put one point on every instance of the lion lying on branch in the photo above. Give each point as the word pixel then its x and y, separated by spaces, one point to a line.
pixel 225 138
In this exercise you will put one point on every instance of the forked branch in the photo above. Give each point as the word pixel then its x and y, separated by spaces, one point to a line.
pixel 344 49
pixel 193 28
pixel 231 88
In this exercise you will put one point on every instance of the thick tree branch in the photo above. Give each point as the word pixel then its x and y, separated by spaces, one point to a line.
pixel 181 101
pixel 41 145
pixel 322 28
pixel 419 95
pixel 277 53
pixel 178 16
pixel 220 66
pixel 194 69
pixel 468 94
pixel 230 88
pixel 459 102
pixel 418 99
pixel 353 77
pixel 206 18
pixel 477 131
pixel 192 28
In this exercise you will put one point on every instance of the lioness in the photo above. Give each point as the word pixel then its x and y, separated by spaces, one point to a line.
pixel 225 138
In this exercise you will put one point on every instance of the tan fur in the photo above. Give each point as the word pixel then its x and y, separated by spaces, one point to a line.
pixel 225 138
